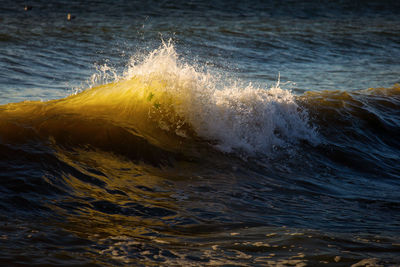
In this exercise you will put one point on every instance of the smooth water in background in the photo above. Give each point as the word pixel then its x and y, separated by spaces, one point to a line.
pixel 200 133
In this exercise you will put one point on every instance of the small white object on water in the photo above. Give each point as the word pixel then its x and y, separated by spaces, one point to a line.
pixel 70 17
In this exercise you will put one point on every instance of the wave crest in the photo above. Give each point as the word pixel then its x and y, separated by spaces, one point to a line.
pixel 165 100
pixel 231 115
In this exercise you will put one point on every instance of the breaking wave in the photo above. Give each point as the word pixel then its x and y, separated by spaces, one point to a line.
pixel 166 103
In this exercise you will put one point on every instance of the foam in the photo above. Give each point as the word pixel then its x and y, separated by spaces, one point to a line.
pixel 232 115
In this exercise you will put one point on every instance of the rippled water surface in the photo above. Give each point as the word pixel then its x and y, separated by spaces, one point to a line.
pixel 200 133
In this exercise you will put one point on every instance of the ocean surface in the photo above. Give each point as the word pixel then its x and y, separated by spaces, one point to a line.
pixel 200 133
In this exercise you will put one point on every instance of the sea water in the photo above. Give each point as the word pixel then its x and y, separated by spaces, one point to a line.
pixel 200 133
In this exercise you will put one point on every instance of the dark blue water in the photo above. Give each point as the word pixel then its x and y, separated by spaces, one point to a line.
pixel 253 133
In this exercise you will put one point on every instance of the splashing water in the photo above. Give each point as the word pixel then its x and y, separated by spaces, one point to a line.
pixel 234 116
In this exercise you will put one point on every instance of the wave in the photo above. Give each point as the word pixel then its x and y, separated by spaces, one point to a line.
pixel 358 130
pixel 161 107
pixel 371 112
pixel 162 104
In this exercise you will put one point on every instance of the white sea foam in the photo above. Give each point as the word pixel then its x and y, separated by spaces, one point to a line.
pixel 233 116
